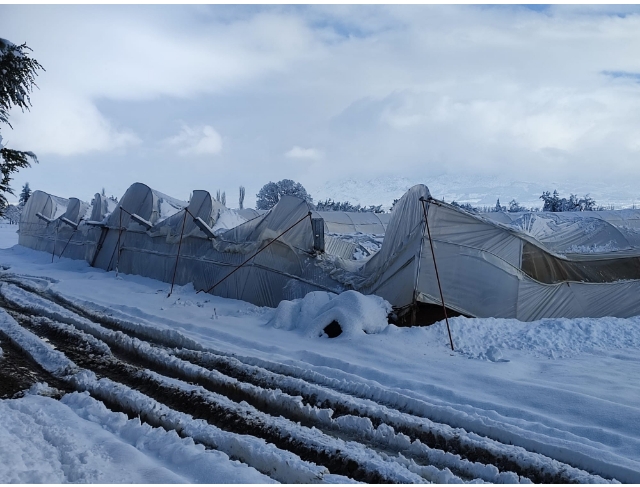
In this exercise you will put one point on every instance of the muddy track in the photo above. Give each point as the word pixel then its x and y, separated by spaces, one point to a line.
pixel 127 368
pixel 18 372
pixel 132 374
pixel 453 445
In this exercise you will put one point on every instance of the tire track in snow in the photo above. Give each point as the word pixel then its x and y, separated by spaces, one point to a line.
pixel 369 421
pixel 350 459
pixel 382 439
pixel 280 465
pixel 18 372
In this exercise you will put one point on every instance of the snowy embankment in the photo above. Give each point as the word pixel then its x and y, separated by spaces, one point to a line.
pixel 559 388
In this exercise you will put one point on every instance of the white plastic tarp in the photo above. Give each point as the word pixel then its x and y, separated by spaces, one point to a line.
pixel 525 266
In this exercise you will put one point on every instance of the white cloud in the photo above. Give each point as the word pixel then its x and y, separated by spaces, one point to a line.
pixel 130 54
pixel 197 141
pixel 418 89
pixel 301 153
pixel 66 125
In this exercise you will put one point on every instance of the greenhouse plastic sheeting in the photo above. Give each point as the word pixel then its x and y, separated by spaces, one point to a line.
pixel 525 265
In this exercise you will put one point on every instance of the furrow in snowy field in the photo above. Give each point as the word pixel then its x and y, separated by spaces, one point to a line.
pixel 183 455
pixel 529 462
pixel 78 440
pixel 370 460
pixel 312 439
pixel 279 464
pixel 35 283
pixel 168 337
pixel 94 342
pixel 525 448
pixel 49 359
pixel 292 405
pixel 383 436
pixel 350 451
pixel 524 459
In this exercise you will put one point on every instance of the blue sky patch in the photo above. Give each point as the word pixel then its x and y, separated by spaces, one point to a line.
pixel 622 74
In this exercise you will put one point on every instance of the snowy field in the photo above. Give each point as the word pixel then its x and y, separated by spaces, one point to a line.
pixel 562 390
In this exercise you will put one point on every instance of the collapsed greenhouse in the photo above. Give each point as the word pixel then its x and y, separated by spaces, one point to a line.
pixel 527 266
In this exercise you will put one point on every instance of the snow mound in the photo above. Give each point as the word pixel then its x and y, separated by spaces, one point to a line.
pixel 490 338
pixel 327 314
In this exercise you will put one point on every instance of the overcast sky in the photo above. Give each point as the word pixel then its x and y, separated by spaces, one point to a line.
pixel 212 97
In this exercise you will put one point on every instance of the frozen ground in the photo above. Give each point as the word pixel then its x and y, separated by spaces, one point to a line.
pixel 565 389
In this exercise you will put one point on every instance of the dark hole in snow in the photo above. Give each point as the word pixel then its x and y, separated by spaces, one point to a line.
pixel 426 314
pixel 333 329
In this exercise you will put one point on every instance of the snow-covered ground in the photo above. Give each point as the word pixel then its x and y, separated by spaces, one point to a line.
pixel 8 235
pixel 563 388
pixel 78 439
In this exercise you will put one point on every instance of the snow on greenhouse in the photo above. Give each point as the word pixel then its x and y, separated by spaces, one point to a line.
pixel 523 265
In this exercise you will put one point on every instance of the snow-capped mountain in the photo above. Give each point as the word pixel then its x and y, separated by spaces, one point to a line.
pixel 478 191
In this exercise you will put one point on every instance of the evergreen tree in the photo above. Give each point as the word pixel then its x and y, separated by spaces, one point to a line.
pixel 17 79
pixel 223 199
pixel 553 202
pixel 467 206
pixel 587 203
pixel 25 194
pixel 271 193
pixel 514 207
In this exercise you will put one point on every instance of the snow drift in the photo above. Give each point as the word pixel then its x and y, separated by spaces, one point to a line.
pixel 351 312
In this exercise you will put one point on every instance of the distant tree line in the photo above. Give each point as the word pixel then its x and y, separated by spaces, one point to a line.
pixel 551 202
pixel 330 205
pixel 271 193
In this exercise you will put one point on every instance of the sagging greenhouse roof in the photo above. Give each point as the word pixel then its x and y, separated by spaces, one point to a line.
pixel 526 266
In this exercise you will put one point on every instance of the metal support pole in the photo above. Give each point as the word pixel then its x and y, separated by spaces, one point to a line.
pixel 308 215
pixel 120 229
pixel 444 308
pixel 68 241
pixel 175 270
